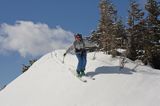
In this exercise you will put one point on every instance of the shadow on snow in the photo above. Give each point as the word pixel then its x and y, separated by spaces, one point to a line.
pixel 110 70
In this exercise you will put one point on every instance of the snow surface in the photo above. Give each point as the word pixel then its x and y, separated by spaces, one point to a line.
pixel 48 82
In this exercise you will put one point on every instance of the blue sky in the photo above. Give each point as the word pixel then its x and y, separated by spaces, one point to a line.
pixel 45 23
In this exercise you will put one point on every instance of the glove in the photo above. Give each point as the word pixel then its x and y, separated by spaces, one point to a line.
pixel 64 54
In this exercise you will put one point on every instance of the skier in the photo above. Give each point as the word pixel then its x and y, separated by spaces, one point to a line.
pixel 79 47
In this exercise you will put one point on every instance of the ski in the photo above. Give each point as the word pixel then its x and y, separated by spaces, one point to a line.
pixel 89 77
pixel 80 78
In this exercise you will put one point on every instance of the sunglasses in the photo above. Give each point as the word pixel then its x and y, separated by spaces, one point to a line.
pixel 78 37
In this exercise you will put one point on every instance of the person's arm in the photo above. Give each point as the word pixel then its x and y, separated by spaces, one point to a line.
pixel 69 49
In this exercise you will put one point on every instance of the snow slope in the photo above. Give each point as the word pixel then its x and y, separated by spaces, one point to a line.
pixel 50 83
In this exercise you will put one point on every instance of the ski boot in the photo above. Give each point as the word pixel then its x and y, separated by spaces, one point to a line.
pixel 82 73
pixel 78 74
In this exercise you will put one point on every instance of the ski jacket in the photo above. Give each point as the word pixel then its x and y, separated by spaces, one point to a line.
pixel 77 46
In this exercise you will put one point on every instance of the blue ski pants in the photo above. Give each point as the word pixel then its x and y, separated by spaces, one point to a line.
pixel 82 61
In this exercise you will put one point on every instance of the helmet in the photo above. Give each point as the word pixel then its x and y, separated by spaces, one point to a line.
pixel 78 35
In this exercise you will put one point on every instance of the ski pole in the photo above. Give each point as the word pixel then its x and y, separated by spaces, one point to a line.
pixel 63 59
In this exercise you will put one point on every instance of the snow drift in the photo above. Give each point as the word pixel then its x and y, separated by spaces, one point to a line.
pixel 48 82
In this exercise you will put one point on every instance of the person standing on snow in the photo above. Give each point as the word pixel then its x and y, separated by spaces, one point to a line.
pixel 81 54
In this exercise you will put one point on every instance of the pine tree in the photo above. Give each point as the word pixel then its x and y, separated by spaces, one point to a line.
pixel 103 24
pixel 118 38
pixel 152 38
pixel 120 34
pixel 105 29
pixel 135 17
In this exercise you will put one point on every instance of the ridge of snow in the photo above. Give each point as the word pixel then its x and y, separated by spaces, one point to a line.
pixel 48 82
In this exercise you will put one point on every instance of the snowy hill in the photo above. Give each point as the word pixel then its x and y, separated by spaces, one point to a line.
pixel 49 82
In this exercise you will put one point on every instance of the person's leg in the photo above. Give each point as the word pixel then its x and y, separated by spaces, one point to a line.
pixel 80 63
pixel 84 59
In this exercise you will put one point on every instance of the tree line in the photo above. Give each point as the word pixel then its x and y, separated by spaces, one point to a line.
pixel 26 67
pixel 140 37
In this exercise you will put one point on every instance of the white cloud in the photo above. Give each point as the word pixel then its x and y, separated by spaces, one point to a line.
pixel 29 38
